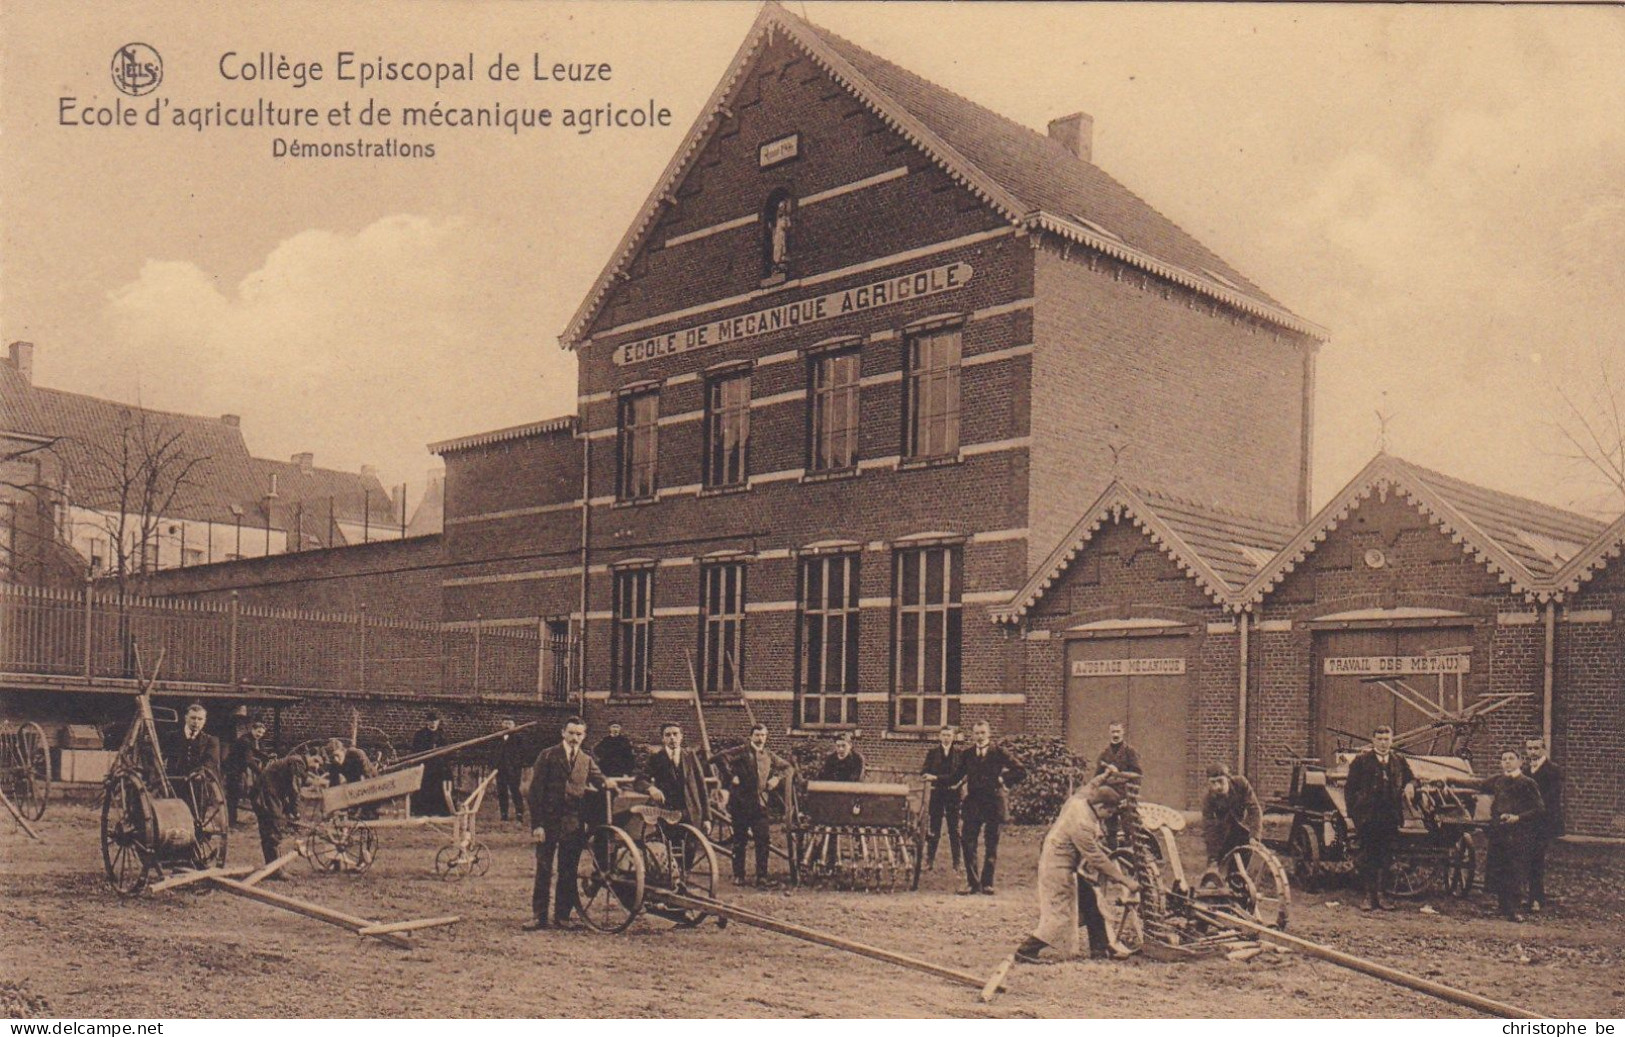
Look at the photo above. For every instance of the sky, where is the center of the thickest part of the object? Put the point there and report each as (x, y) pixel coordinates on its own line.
(1441, 187)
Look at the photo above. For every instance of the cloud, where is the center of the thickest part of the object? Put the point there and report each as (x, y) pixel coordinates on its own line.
(360, 347)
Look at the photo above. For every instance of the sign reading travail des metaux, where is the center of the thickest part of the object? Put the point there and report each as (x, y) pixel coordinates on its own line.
(1397, 665)
(919, 285)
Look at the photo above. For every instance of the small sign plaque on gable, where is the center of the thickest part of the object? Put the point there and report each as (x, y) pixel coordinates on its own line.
(781, 150)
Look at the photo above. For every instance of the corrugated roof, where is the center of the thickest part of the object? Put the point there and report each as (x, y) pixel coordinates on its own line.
(1029, 178)
(1220, 549)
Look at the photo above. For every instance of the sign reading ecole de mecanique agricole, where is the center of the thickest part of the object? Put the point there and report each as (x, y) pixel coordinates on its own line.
(918, 285)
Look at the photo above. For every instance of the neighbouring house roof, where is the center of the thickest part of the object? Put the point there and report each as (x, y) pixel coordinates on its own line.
(430, 514)
(1523, 542)
(1221, 550)
(1028, 178)
(547, 426)
(309, 496)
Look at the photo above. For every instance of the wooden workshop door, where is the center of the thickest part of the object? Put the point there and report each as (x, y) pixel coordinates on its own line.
(1142, 682)
(1346, 707)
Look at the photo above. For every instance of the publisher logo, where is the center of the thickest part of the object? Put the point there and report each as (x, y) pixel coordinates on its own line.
(137, 69)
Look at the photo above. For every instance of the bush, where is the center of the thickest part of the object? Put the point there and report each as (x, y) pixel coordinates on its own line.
(1053, 771)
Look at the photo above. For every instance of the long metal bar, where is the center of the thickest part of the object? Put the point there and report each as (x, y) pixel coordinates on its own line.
(689, 902)
(1383, 972)
(444, 750)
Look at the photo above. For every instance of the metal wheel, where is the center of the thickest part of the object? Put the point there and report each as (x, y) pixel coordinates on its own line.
(609, 880)
(128, 853)
(336, 845)
(697, 869)
(211, 826)
(449, 862)
(1256, 876)
(1304, 848)
(479, 859)
(31, 778)
(1409, 877)
(1461, 868)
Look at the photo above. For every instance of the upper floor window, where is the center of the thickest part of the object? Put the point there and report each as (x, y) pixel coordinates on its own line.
(926, 655)
(722, 626)
(727, 429)
(832, 430)
(633, 644)
(931, 411)
(636, 445)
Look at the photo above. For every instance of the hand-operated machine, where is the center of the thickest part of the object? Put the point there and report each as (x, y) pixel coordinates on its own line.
(858, 835)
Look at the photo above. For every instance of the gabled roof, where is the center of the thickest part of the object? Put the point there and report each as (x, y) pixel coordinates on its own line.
(1025, 176)
(1595, 556)
(1220, 550)
(353, 497)
(1523, 542)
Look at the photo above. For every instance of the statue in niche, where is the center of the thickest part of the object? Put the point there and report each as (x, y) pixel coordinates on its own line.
(776, 251)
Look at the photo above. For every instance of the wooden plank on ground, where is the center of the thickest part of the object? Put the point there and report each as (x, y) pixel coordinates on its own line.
(410, 926)
(309, 910)
(271, 869)
(995, 982)
(186, 878)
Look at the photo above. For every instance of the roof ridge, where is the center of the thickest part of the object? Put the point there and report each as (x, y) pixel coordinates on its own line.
(106, 401)
(1429, 473)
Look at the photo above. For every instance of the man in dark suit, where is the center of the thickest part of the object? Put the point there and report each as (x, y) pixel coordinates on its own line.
(1549, 779)
(1231, 814)
(511, 761)
(941, 764)
(563, 775)
(1379, 782)
(674, 778)
(430, 798)
(1118, 753)
(754, 773)
(844, 764)
(195, 749)
(276, 802)
(243, 763)
(1515, 815)
(985, 771)
(615, 754)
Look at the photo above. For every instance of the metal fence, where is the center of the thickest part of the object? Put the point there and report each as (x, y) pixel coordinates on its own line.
(96, 636)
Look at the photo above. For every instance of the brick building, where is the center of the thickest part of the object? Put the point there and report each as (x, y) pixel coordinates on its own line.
(853, 373)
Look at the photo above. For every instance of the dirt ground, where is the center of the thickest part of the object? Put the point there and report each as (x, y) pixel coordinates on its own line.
(73, 948)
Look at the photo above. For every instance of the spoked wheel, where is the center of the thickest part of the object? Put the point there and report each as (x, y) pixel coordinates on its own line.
(340, 846)
(697, 870)
(1461, 868)
(609, 881)
(455, 861)
(128, 835)
(31, 778)
(479, 861)
(1408, 878)
(209, 818)
(1257, 878)
(1304, 846)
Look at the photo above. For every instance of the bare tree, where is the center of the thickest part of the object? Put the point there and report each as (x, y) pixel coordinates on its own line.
(130, 479)
(1591, 424)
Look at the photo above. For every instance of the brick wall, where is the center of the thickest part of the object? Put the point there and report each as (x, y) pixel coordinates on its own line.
(393, 579)
(1205, 403)
(1589, 705)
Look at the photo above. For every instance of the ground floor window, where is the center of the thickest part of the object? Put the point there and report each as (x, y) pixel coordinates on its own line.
(927, 636)
(828, 678)
(634, 631)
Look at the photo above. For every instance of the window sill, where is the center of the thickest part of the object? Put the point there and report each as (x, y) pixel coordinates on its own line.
(724, 491)
(819, 731)
(833, 475)
(915, 463)
(910, 735)
(621, 698)
(636, 502)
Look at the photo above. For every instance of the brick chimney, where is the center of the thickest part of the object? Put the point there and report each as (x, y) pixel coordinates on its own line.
(306, 462)
(369, 471)
(232, 420)
(1075, 133)
(22, 358)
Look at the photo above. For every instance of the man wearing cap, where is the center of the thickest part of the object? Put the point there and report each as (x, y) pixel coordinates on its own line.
(1072, 864)
(1231, 814)
(276, 801)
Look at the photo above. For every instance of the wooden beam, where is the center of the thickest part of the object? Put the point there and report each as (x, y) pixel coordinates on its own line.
(17, 815)
(995, 982)
(271, 869)
(1464, 998)
(840, 943)
(309, 910)
(410, 926)
(186, 878)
